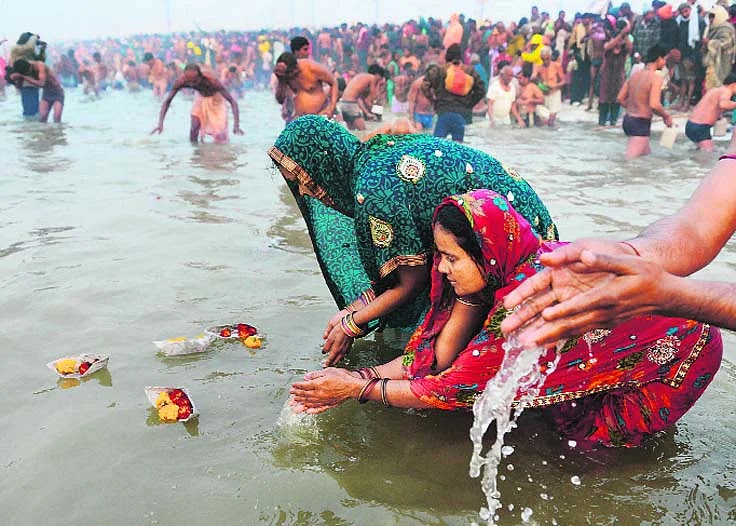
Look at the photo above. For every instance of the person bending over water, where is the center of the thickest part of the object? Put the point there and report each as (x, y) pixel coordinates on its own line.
(36, 73)
(641, 95)
(611, 387)
(708, 111)
(209, 114)
(369, 207)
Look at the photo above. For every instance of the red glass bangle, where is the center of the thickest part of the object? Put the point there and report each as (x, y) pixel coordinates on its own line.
(727, 156)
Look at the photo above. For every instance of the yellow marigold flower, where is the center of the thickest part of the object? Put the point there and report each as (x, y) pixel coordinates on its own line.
(169, 413)
(163, 399)
(67, 366)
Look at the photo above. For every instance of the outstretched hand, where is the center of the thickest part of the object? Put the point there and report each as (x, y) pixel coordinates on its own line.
(587, 285)
(323, 390)
(400, 126)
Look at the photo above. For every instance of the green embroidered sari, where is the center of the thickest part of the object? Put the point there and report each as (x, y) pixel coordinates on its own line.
(374, 201)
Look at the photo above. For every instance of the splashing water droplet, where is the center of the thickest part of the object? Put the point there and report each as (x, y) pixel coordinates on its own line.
(507, 450)
(544, 462)
(562, 457)
(526, 514)
(520, 372)
(572, 443)
(575, 480)
(544, 496)
(511, 507)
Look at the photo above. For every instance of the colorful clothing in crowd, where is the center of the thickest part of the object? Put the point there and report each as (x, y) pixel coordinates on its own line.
(376, 199)
(612, 386)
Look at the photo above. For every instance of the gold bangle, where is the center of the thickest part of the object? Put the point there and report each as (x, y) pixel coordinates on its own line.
(384, 400)
(375, 372)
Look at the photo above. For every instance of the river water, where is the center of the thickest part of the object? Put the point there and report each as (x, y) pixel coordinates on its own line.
(110, 238)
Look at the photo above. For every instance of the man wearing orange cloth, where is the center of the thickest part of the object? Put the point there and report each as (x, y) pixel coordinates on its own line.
(209, 113)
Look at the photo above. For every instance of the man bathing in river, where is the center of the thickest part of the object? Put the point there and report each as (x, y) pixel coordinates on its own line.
(209, 113)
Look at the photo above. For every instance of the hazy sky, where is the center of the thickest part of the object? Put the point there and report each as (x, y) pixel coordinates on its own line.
(61, 19)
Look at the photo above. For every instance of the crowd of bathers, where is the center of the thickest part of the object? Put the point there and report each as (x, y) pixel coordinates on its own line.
(700, 47)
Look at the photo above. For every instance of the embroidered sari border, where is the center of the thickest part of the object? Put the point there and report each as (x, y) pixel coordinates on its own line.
(301, 174)
(398, 261)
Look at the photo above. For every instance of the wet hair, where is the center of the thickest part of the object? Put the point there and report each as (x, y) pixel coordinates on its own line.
(450, 218)
(147, 57)
(96, 55)
(654, 53)
(341, 84)
(297, 43)
(24, 37)
(22, 66)
(454, 53)
(289, 60)
(375, 69)
(193, 67)
(730, 79)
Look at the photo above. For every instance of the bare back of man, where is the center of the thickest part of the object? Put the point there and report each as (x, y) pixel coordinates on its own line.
(707, 112)
(304, 82)
(641, 94)
(357, 99)
(208, 87)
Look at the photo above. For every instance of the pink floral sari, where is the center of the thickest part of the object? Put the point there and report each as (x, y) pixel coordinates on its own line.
(611, 386)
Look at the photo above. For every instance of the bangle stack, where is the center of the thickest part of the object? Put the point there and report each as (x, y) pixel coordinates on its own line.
(366, 389)
(350, 328)
(364, 299)
(368, 372)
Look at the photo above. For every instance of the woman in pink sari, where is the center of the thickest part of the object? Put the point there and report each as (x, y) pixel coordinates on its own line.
(610, 386)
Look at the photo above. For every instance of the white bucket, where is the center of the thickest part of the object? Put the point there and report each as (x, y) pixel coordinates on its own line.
(669, 136)
(720, 128)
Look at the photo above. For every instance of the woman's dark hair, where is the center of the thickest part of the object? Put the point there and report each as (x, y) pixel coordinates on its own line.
(454, 221)
(289, 60)
(22, 66)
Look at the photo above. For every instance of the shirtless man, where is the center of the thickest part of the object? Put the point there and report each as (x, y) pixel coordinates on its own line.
(209, 114)
(530, 102)
(421, 109)
(360, 94)
(36, 73)
(641, 95)
(130, 74)
(402, 83)
(708, 111)
(305, 81)
(100, 71)
(551, 74)
(158, 77)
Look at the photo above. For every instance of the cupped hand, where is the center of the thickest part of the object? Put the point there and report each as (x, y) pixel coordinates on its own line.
(602, 290)
(325, 389)
(336, 345)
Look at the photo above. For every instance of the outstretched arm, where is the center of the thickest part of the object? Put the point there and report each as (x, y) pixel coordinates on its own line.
(328, 388)
(165, 107)
(411, 281)
(236, 110)
(597, 283)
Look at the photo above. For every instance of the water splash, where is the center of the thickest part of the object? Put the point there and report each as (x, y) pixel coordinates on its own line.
(519, 372)
(297, 428)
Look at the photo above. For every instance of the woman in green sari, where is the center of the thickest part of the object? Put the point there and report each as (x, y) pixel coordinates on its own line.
(368, 207)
